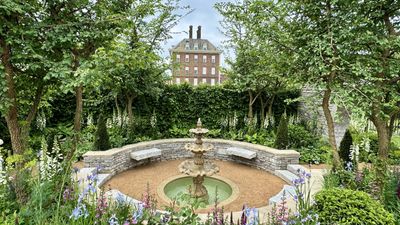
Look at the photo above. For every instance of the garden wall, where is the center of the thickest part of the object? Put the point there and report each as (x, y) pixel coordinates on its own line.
(116, 160)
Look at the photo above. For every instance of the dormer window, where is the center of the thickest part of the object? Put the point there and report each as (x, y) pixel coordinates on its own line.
(187, 46)
(196, 46)
(204, 46)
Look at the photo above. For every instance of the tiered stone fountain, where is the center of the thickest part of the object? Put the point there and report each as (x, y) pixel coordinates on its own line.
(198, 168)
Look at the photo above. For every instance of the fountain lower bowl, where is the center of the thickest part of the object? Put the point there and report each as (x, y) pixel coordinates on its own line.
(173, 187)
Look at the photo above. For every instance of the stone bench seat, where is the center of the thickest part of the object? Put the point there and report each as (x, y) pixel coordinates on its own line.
(241, 152)
(145, 154)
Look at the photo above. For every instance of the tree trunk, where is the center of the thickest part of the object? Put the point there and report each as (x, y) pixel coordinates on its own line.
(78, 106)
(250, 110)
(129, 107)
(77, 119)
(383, 131)
(119, 111)
(11, 117)
(262, 112)
(271, 103)
(331, 128)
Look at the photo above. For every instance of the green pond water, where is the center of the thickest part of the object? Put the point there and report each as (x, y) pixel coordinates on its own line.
(180, 185)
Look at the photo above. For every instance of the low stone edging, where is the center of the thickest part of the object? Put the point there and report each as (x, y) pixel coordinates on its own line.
(116, 160)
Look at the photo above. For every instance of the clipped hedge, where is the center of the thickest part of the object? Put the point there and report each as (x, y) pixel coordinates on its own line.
(345, 206)
(217, 106)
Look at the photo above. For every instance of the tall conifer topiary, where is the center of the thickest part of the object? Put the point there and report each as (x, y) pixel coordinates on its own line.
(345, 147)
(102, 141)
(281, 141)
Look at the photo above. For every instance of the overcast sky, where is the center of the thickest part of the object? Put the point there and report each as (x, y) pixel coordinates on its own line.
(204, 15)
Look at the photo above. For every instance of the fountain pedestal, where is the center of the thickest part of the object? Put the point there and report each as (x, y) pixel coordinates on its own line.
(198, 167)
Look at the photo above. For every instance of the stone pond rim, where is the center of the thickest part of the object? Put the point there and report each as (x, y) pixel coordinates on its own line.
(117, 160)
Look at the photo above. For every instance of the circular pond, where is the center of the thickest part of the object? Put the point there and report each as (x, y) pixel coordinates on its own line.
(215, 188)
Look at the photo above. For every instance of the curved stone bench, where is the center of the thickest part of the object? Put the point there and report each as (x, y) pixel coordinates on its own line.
(116, 160)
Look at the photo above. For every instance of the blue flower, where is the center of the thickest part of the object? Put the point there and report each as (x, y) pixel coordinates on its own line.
(90, 188)
(349, 166)
(113, 220)
(120, 199)
(138, 213)
(79, 211)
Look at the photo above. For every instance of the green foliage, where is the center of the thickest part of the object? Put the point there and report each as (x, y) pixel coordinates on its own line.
(391, 195)
(367, 143)
(176, 132)
(281, 141)
(345, 147)
(299, 136)
(314, 155)
(102, 140)
(344, 206)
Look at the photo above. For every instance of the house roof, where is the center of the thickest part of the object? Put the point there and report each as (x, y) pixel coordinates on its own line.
(181, 46)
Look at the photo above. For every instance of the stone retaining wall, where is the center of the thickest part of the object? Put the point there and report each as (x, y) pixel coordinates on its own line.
(116, 160)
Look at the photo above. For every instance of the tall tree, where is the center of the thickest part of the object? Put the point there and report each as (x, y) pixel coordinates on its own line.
(321, 37)
(374, 84)
(131, 61)
(254, 68)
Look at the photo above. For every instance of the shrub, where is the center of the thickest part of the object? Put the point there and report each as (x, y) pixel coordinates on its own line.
(281, 141)
(344, 206)
(345, 147)
(299, 136)
(314, 155)
(102, 141)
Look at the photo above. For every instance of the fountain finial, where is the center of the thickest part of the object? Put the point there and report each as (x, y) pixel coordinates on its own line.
(199, 125)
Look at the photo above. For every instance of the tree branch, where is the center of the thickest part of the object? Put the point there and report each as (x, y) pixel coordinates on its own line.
(35, 106)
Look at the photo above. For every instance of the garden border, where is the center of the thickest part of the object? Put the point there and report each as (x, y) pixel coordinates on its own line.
(117, 160)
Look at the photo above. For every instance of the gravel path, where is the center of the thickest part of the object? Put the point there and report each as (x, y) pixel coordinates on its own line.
(255, 186)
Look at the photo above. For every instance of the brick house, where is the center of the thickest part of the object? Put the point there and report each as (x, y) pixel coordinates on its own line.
(195, 61)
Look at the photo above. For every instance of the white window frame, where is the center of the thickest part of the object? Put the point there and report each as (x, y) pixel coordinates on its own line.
(196, 46)
(204, 58)
(187, 46)
(212, 70)
(186, 70)
(178, 58)
(178, 80)
(195, 81)
(196, 70)
(204, 46)
(187, 58)
(212, 81)
(187, 80)
(204, 80)
(204, 70)
(213, 59)
(196, 58)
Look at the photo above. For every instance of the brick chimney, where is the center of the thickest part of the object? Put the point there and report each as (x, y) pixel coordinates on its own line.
(199, 32)
(190, 32)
